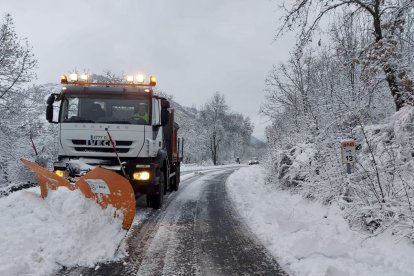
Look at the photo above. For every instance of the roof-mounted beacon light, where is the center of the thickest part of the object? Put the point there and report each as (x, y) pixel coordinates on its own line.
(131, 80)
(84, 77)
(74, 77)
(140, 78)
(153, 81)
(63, 79)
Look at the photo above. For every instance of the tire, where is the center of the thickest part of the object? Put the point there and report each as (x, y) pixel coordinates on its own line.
(167, 184)
(148, 199)
(175, 181)
(174, 184)
(157, 200)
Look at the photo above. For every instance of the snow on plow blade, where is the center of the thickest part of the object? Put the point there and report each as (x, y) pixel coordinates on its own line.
(109, 188)
(104, 186)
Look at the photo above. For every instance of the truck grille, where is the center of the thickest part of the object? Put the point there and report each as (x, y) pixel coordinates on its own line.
(117, 143)
(83, 146)
(100, 149)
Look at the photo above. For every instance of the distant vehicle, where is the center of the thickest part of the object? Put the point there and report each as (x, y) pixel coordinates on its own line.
(253, 161)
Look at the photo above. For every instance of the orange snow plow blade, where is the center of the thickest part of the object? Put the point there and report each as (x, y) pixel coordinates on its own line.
(47, 179)
(109, 188)
(104, 186)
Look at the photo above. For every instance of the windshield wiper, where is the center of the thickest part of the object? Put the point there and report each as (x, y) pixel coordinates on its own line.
(115, 122)
(79, 121)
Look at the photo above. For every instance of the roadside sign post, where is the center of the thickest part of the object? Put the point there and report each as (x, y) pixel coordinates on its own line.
(348, 154)
(348, 168)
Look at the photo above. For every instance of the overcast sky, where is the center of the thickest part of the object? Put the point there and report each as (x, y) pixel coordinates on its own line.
(194, 47)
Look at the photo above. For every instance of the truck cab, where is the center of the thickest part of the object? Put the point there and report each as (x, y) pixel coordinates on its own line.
(124, 127)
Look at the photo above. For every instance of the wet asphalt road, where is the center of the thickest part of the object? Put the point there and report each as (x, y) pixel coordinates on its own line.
(197, 232)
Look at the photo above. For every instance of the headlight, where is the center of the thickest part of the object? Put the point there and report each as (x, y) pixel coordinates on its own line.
(60, 173)
(143, 175)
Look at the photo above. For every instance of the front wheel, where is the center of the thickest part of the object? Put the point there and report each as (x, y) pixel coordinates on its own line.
(156, 201)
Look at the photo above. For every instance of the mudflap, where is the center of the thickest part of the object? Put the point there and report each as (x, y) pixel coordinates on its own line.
(104, 186)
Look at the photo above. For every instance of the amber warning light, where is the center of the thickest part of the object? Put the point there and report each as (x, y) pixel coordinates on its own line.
(130, 80)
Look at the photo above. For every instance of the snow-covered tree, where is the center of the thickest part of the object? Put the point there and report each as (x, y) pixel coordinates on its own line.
(226, 134)
(16, 61)
(212, 117)
(381, 54)
(338, 87)
(17, 102)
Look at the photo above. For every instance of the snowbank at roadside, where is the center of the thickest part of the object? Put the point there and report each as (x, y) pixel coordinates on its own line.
(38, 236)
(308, 238)
(195, 167)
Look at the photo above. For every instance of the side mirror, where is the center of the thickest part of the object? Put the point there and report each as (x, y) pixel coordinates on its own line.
(49, 113)
(165, 117)
(51, 99)
(165, 104)
(49, 108)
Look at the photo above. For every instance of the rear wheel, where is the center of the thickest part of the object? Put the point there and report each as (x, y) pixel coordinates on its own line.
(175, 181)
(174, 184)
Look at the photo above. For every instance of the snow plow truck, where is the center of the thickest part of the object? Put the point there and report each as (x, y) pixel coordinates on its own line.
(117, 140)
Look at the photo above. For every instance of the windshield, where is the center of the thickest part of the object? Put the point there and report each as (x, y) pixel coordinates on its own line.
(109, 110)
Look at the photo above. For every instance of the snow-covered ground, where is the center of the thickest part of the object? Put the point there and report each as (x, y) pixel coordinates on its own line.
(39, 236)
(309, 238)
(197, 167)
